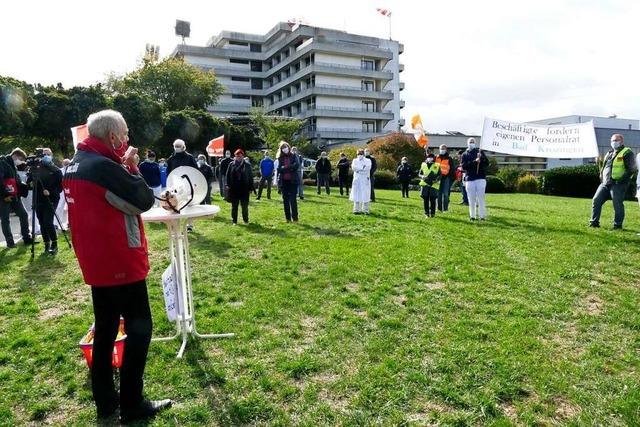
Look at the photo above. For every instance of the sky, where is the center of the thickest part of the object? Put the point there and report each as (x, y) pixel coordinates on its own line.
(464, 60)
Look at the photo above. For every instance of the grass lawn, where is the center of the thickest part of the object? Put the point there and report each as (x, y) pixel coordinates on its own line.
(530, 318)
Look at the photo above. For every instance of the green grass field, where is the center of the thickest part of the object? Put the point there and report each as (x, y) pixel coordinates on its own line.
(530, 318)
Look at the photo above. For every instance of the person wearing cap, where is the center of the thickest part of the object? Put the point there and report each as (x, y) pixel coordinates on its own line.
(361, 185)
(474, 164)
(404, 173)
(150, 171)
(207, 171)
(343, 173)
(615, 176)
(180, 157)
(288, 180)
(323, 172)
(266, 175)
(239, 186)
(430, 176)
(447, 174)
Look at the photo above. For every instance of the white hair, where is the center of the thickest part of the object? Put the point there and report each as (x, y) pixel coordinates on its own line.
(179, 143)
(471, 140)
(103, 122)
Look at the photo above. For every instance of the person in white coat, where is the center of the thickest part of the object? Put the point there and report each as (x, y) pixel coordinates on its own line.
(361, 185)
(62, 210)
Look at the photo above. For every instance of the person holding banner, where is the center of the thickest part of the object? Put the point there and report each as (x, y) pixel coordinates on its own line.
(474, 164)
(615, 176)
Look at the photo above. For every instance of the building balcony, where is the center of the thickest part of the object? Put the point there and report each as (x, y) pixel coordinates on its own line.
(400, 48)
(401, 104)
(242, 90)
(330, 90)
(401, 122)
(229, 108)
(401, 86)
(339, 133)
(348, 113)
(400, 67)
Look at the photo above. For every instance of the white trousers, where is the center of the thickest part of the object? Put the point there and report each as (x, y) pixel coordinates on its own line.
(475, 193)
(62, 212)
(361, 207)
(156, 192)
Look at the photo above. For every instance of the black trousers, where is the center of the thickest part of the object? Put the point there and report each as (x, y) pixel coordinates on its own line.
(265, 180)
(430, 198)
(45, 212)
(241, 200)
(343, 182)
(289, 193)
(16, 206)
(373, 191)
(404, 186)
(109, 303)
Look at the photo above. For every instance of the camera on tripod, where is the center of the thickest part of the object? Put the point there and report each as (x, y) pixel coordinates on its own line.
(36, 159)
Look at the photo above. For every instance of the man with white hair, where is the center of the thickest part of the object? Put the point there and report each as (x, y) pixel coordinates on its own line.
(106, 195)
(180, 157)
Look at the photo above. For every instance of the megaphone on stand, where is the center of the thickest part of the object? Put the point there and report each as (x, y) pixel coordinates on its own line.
(186, 186)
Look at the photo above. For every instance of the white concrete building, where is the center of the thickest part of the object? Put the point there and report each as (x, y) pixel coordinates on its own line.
(346, 86)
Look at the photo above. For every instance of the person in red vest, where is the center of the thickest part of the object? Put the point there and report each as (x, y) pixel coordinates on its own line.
(447, 177)
(106, 195)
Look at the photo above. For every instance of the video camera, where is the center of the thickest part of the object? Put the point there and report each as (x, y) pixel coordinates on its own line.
(36, 159)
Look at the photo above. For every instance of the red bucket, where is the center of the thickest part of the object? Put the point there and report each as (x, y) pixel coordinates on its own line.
(86, 345)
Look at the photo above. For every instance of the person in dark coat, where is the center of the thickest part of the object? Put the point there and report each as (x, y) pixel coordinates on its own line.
(150, 171)
(46, 181)
(288, 180)
(207, 171)
(404, 173)
(222, 172)
(343, 173)
(180, 157)
(323, 172)
(10, 197)
(239, 186)
(374, 167)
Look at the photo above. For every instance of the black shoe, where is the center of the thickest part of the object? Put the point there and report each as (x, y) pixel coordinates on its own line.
(617, 227)
(54, 247)
(11, 245)
(107, 412)
(28, 241)
(189, 228)
(472, 219)
(47, 248)
(594, 224)
(146, 409)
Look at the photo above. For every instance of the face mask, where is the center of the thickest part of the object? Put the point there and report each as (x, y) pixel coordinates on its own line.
(472, 146)
(18, 162)
(430, 160)
(178, 149)
(616, 144)
(161, 164)
(285, 150)
(404, 162)
(443, 152)
(200, 162)
(228, 155)
(47, 159)
(324, 157)
(122, 149)
(366, 153)
(360, 156)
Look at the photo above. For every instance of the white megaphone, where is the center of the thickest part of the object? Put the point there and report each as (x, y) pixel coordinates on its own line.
(186, 186)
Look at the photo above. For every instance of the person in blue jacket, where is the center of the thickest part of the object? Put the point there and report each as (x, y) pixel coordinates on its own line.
(266, 175)
(150, 171)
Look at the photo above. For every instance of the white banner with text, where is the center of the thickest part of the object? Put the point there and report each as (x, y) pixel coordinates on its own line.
(533, 140)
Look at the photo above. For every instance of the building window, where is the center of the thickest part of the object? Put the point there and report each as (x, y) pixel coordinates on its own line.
(253, 47)
(256, 66)
(256, 84)
(238, 61)
(240, 97)
(368, 126)
(240, 79)
(256, 101)
(368, 106)
(311, 81)
(368, 85)
(311, 103)
(367, 64)
(235, 43)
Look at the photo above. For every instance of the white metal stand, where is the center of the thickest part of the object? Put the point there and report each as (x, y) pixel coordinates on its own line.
(181, 265)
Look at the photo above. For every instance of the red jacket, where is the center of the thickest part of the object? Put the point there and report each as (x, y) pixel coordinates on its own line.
(105, 202)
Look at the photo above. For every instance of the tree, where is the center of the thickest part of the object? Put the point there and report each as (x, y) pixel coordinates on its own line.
(86, 101)
(173, 83)
(143, 116)
(17, 107)
(54, 117)
(273, 129)
(389, 150)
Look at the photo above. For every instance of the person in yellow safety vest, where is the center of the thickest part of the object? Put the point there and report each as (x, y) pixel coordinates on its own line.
(430, 184)
(618, 167)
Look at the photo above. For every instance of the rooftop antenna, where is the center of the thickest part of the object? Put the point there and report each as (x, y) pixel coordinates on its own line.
(151, 52)
(183, 29)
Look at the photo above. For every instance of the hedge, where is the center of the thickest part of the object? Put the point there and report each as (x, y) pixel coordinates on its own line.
(571, 181)
(495, 185)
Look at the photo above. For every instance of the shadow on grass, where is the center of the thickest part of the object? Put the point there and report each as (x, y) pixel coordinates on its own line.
(256, 228)
(322, 231)
(218, 246)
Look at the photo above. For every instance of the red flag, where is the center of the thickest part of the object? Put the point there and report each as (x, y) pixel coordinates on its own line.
(216, 147)
(79, 133)
(384, 12)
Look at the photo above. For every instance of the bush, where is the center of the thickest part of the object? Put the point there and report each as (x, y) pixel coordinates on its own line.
(495, 185)
(571, 181)
(509, 176)
(385, 179)
(527, 184)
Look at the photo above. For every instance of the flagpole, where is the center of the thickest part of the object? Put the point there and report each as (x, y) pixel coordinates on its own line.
(389, 26)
